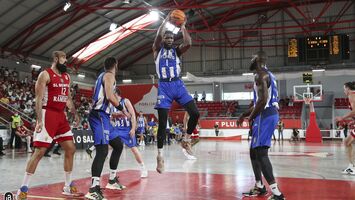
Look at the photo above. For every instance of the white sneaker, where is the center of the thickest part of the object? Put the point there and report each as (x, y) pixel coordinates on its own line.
(349, 170)
(143, 143)
(70, 190)
(115, 185)
(144, 172)
(188, 156)
(29, 151)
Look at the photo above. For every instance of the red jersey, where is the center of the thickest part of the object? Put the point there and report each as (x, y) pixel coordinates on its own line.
(57, 91)
(21, 130)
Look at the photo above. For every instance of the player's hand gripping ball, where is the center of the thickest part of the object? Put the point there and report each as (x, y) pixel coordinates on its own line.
(177, 17)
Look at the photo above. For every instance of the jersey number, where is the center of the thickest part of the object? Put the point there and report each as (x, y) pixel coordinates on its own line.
(64, 91)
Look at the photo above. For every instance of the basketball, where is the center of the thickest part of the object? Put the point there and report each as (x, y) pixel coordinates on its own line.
(177, 17)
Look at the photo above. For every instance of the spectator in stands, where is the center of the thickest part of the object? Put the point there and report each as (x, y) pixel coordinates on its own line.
(24, 133)
(2, 71)
(345, 130)
(152, 126)
(295, 135)
(5, 99)
(338, 129)
(16, 118)
(196, 96)
(216, 129)
(280, 128)
(290, 103)
(178, 133)
(203, 96)
(15, 75)
(1, 146)
(6, 74)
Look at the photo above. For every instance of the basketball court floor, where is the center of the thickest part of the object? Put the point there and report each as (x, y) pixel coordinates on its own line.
(222, 172)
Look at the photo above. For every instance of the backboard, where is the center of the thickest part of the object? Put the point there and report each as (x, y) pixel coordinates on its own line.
(315, 92)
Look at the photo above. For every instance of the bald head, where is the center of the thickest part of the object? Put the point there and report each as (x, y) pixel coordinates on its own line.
(259, 59)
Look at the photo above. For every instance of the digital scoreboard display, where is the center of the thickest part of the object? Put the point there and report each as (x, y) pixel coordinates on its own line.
(318, 49)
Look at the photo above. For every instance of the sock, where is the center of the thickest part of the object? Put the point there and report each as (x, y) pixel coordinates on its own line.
(275, 190)
(95, 181)
(92, 148)
(160, 152)
(259, 184)
(112, 174)
(141, 165)
(67, 178)
(26, 179)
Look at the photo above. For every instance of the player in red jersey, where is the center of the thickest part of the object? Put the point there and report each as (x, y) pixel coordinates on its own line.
(52, 97)
(24, 132)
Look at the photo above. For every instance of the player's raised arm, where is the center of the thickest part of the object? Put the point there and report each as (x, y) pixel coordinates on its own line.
(159, 37)
(187, 42)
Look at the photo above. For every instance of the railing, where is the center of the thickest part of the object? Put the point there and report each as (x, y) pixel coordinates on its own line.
(12, 110)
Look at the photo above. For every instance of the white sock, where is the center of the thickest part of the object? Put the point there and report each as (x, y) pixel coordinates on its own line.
(275, 190)
(26, 179)
(160, 152)
(67, 178)
(259, 184)
(28, 143)
(141, 165)
(95, 181)
(112, 174)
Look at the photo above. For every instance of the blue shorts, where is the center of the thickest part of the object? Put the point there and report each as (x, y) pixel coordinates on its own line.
(170, 91)
(123, 133)
(100, 125)
(263, 127)
(141, 130)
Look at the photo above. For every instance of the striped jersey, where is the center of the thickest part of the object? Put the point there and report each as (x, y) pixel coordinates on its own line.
(140, 122)
(122, 122)
(273, 97)
(99, 98)
(168, 64)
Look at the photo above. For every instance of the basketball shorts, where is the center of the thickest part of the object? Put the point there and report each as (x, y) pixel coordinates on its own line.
(123, 134)
(100, 125)
(55, 128)
(170, 91)
(263, 127)
(140, 130)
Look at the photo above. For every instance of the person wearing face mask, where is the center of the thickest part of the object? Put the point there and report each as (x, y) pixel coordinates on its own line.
(16, 118)
(52, 92)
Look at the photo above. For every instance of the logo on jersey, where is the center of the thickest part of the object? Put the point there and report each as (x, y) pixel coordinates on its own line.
(168, 54)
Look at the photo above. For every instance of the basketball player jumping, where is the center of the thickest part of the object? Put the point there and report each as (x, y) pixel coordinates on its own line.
(52, 96)
(171, 87)
(263, 117)
(349, 90)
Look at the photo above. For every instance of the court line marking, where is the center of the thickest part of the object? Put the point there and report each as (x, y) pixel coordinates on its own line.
(44, 197)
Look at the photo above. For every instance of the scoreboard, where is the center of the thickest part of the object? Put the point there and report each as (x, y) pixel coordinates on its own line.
(318, 49)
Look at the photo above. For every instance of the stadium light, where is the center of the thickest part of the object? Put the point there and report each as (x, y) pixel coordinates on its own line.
(127, 80)
(318, 70)
(113, 26)
(67, 6)
(154, 15)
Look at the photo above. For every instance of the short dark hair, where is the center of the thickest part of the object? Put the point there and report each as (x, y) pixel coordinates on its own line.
(110, 63)
(169, 32)
(350, 85)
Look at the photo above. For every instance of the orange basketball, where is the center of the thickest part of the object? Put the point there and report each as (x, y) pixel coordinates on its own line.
(177, 17)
